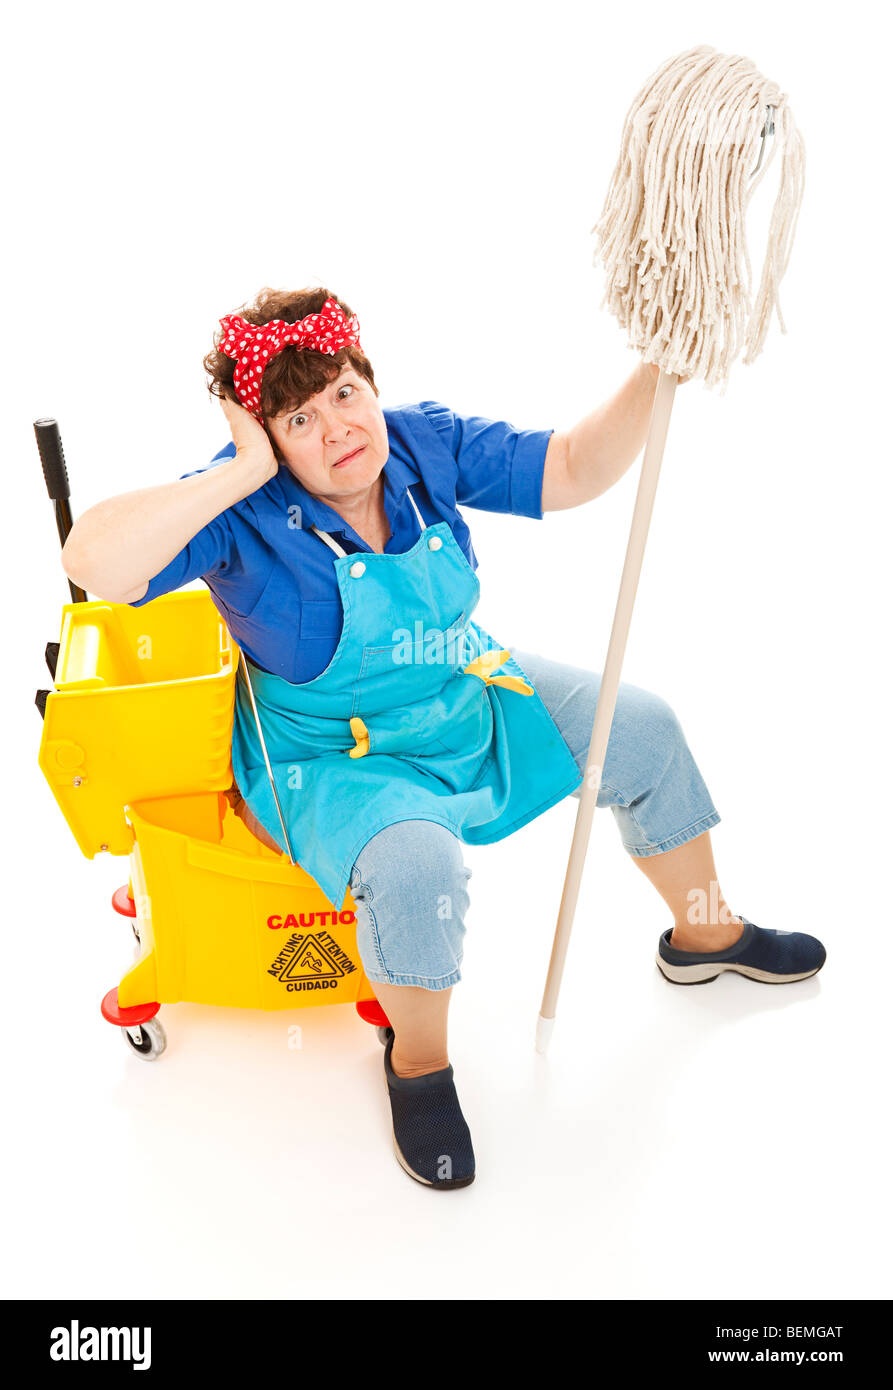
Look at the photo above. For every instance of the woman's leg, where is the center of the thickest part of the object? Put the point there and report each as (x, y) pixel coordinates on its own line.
(409, 883)
(419, 1020)
(656, 793)
(686, 880)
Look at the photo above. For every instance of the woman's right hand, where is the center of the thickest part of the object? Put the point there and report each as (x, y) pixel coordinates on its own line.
(252, 442)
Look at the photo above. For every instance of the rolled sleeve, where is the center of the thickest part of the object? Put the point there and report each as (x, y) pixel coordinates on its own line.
(499, 468)
(208, 553)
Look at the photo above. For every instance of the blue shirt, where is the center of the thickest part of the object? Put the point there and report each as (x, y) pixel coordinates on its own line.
(273, 579)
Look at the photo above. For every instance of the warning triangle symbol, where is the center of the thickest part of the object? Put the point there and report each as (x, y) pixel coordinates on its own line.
(312, 962)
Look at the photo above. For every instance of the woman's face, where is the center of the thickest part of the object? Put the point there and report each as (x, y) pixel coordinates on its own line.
(314, 439)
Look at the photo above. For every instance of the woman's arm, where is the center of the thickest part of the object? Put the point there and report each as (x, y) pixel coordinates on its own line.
(585, 461)
(116, 547)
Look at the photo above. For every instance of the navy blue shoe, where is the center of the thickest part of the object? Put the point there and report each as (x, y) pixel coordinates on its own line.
(773, 957)
(431, 1139)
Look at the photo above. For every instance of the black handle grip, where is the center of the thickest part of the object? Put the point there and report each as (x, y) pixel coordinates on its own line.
(49, 446)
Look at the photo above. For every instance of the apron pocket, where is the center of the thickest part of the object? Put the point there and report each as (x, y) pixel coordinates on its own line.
(466, 733)
(464, 742)
(441, 649)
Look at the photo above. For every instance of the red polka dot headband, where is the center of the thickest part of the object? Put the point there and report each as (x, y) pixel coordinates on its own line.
(254, 345)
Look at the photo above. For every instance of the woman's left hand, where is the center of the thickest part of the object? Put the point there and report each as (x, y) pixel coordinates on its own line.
(655, 372)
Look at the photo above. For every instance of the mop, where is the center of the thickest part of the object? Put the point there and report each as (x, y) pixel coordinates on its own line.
(672, 241)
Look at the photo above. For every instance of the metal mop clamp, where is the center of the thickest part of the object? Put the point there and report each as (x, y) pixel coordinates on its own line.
(671, 237)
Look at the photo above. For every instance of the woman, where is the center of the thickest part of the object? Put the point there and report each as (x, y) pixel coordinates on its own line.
(395, 726)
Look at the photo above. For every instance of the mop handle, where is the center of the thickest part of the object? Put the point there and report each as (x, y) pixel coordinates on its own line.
(607, 697)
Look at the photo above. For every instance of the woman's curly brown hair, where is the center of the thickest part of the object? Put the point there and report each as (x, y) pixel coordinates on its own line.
(295, 374)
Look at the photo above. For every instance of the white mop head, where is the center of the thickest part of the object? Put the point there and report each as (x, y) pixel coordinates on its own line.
(672, 231)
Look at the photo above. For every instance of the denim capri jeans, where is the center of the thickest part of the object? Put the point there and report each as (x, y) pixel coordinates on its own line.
(410, 881)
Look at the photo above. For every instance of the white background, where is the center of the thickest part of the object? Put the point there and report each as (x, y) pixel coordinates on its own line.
(441, 171)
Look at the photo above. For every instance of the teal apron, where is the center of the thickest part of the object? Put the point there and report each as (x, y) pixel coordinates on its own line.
(419, 715)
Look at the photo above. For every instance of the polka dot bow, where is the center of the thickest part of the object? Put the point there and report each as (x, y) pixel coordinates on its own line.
(254, 345)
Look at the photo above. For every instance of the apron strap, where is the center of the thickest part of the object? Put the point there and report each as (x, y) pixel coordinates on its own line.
(416, 510)
(340, 551)
(333, 545)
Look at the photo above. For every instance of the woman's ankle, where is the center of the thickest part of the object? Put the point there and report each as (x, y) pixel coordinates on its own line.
(709, 936)
(415, 1065)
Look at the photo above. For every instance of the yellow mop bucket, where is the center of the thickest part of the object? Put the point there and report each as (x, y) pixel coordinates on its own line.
(221, 919)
